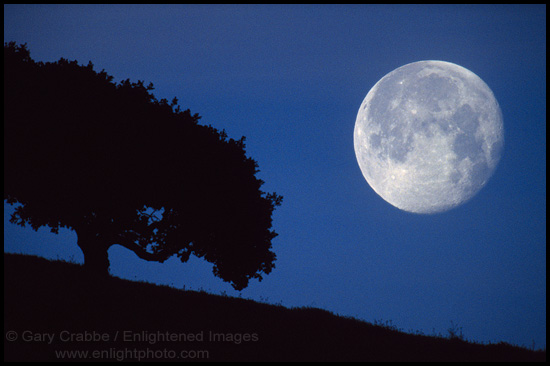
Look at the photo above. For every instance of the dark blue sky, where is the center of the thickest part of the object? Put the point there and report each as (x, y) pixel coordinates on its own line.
(291, 79)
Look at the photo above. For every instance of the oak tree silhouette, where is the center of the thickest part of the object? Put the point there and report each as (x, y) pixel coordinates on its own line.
(118, 166)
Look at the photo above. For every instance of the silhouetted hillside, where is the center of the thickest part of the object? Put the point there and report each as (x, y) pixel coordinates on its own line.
(52, 312)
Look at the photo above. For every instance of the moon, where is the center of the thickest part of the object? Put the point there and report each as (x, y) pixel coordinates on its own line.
(428, 136)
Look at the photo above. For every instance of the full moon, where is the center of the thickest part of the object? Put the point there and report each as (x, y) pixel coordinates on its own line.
(428, 136)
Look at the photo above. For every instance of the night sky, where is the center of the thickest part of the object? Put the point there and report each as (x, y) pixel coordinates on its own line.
(291, 79)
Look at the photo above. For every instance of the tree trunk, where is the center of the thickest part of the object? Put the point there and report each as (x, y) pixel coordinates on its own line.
(96, 256)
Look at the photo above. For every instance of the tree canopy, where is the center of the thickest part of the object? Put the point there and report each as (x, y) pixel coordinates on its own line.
(111, 162)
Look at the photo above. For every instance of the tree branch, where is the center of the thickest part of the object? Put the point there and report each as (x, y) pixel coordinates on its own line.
(142, 252)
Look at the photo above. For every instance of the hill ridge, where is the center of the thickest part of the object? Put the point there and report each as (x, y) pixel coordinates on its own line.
(125, 320)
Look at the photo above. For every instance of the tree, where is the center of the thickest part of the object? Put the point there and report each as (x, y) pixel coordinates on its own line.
(118, 166)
